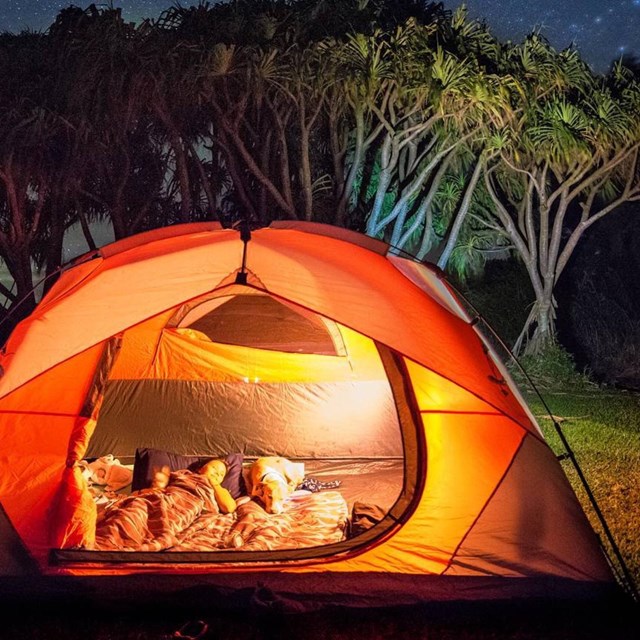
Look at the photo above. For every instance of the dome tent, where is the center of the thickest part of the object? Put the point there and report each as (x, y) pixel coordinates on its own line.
(331, 348)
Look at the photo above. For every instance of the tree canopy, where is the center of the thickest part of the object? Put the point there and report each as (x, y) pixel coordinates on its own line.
(396, 118)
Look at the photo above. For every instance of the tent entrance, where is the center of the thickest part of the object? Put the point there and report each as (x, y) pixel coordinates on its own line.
(330, 398)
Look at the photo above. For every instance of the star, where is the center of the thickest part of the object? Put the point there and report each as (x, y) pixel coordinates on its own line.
(599, 30)
(560, 22)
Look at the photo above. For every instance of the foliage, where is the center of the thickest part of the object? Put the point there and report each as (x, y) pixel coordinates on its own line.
(400, 119)
(552, 369)
(501, 296)
(601, 321)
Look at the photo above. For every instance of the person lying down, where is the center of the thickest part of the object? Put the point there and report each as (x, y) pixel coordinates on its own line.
(153, 519)
(191, 511)
(214, 471)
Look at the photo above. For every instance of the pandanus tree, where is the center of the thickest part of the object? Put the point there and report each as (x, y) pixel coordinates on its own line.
(420, 102)
(165, 71)
(293, 111)
(267, 106)
(568, 157)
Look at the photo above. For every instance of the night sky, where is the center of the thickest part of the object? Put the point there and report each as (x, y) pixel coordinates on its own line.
(601, 29)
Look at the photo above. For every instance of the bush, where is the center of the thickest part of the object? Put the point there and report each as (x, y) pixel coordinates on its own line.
(606, 331)
(553, 369)
(599, 300)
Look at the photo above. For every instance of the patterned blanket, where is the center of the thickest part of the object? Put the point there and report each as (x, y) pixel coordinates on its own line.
(185, 517)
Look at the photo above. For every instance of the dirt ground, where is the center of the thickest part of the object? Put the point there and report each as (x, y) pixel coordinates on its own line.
(537, 621)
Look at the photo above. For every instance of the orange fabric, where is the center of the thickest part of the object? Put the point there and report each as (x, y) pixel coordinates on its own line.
(60, 390)
(532, 527)
(468, 455)
(139, 347)
(365, 291)
(40, 431)
(33, 449)
(473, 424)
(75, 513)
(182, 354)
(347, 283)
(426, 278)
(115, 296)
(435, 393)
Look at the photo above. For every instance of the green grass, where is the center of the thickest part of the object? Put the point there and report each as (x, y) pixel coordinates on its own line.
(603, 429)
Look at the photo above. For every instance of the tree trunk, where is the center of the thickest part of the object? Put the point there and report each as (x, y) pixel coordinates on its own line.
(305, 164)
(54, 249)
(182, 170)
(388, 162)
(180, 155)
(461, 216)
(118, 222)
(20, 268)
(539, 331)
(86, 229)
(545, 330)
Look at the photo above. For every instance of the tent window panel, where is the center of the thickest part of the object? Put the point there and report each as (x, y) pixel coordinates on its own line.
(264, 323)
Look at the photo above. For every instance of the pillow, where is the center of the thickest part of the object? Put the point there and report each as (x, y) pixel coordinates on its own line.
(149, 459)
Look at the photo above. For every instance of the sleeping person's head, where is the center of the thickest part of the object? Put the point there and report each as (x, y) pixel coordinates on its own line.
(214, 470)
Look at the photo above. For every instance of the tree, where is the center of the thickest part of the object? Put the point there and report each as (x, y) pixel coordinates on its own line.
(568, 157)
(432, 103)
(29, 130)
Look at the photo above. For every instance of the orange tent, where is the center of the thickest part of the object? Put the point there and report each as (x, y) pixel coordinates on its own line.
(328, 347)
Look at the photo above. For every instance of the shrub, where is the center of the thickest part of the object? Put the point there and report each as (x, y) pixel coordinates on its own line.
(553, 369)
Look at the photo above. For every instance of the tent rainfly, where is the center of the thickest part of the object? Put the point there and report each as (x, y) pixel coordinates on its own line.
(303, 341)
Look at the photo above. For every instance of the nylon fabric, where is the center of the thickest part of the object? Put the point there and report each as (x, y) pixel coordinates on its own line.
(428, 280)
(356, 288)
(527, 525)
(184, 354)
(435, 393)
(468, 456)
(59, 391)
(156, 277)
(323, 420)
(29, 483)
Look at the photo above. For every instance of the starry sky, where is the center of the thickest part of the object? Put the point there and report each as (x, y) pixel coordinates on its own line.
(601, 29)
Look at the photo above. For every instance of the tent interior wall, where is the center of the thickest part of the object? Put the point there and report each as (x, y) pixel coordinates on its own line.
(176, 388)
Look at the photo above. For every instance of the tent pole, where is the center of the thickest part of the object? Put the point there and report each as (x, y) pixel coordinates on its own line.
(245, 236)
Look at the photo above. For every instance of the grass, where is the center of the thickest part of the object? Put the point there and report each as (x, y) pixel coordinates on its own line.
(602, 428)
